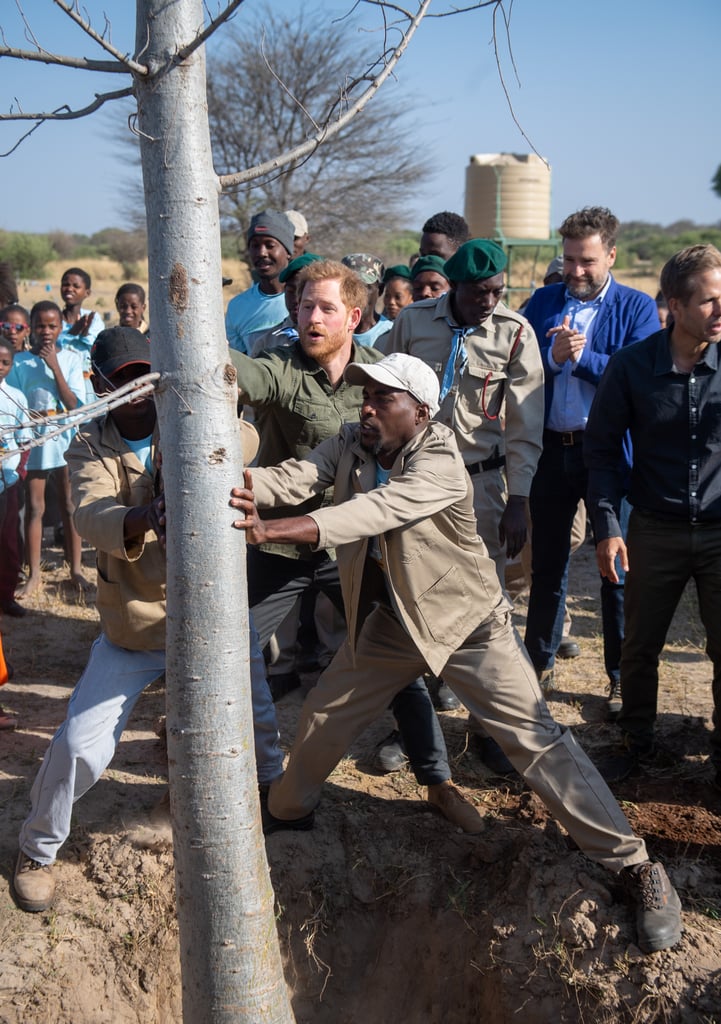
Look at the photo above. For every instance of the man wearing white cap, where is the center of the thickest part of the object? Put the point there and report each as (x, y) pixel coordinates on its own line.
(421, 592)
(301, 234)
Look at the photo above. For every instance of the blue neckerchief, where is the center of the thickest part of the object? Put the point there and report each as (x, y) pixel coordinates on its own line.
(458, 355)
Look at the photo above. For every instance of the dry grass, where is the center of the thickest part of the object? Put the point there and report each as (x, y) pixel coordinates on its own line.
(107, 276)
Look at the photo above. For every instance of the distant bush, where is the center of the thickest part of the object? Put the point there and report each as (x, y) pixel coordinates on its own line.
(229, 249)
(126, 247)
(653, 244)
(63, 243)
(27, 254)
(87, 251)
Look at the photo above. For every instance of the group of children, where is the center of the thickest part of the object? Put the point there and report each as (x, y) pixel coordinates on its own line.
(44, 375)
(424, 278)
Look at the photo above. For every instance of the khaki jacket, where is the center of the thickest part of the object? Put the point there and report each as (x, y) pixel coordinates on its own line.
(496, 404)
(107, 479)
(440, 580)
(296, 408)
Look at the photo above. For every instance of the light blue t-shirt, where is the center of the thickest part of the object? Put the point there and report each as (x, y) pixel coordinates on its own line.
(250, 315)
(374, 548)
(30, 373)
(13, 413)
(81, 346)
(369, 338)
(142, 448)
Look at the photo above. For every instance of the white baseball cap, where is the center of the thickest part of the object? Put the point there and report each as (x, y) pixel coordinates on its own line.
(300, 224)
(400, 371)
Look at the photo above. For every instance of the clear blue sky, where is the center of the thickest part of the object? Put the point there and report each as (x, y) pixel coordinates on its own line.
(621, 97)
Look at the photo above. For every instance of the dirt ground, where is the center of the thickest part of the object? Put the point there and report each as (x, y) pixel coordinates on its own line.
(386, 914)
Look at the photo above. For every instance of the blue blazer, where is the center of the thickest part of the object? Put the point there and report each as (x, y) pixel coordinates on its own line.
(626, 315)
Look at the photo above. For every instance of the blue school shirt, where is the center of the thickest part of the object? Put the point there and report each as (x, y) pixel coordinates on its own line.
(13, 414)
(32, 376)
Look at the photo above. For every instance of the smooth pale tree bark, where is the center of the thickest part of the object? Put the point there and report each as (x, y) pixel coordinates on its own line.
(231, 965)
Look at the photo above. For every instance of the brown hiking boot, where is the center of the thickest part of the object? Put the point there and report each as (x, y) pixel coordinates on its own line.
(453, 805)
(658, 908)
(34, 884)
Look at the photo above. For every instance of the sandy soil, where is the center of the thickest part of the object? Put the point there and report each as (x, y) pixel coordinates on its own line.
(385, 912)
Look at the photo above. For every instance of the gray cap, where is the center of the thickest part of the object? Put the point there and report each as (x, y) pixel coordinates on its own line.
(273, 224)
(400, 371)
(554, 267)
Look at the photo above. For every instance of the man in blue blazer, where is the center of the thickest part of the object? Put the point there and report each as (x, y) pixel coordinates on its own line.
(579, 324)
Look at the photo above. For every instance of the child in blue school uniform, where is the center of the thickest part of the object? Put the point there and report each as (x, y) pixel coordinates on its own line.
(14, 417)
(51, 378)
(15, 326)
(81, 326)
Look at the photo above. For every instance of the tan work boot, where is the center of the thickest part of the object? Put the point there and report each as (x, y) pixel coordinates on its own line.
(34, 884)
(454, 806)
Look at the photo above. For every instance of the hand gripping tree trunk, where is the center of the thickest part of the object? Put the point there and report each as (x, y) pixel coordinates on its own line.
(231, 964)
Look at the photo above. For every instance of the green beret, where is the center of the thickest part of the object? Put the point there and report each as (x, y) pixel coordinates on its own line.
(475, 261)
(435, 263)
(297, 264)
(399, 270)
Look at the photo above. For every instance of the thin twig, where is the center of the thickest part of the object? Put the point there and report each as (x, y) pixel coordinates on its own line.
(124, 58)
(283, 86)
(144, 385)
(185, 51)
(505, 89)
(65, 113)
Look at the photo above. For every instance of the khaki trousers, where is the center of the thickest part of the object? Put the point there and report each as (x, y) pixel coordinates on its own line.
(493, 676)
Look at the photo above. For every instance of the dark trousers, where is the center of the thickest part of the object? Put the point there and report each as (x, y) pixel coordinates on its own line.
(10, 547)
(561, 481)
(275, 583)
(663, 557)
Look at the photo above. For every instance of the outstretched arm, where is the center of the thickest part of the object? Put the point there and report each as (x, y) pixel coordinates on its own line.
(292, 530)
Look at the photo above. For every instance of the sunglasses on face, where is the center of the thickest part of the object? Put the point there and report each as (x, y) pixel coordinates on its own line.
(13, 328)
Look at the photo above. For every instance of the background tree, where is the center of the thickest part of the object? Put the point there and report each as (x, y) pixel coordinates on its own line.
(716, 181)
(127, 247)
(273, 80)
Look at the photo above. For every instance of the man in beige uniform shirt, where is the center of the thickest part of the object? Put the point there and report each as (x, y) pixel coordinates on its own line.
(421, 592)
(489, 369)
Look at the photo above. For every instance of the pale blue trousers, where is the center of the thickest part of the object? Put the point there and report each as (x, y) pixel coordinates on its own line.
(98, 712)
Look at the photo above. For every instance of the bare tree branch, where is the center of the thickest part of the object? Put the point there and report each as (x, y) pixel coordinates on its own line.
(186, 51)
(385, 5)
(64, 113)
(82, 63)
(329, 130)
(130, 64)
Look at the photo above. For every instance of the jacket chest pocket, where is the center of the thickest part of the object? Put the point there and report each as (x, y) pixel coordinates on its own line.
(484, 388)
(314, 422)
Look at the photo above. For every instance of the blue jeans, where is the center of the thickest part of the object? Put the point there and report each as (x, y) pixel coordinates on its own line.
(98, 712)
(560, 482)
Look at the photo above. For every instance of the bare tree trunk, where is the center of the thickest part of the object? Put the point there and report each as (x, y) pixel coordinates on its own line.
(230, 958)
